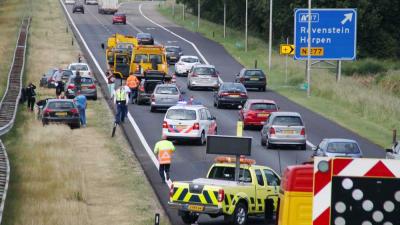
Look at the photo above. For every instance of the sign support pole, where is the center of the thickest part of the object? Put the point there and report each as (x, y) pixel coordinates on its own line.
(239, 133)
(270, 37)
(309, 51)
(286, 62)
(224, 19)
(245, 31)
(198, 14)
(183, 12)
(339, 70)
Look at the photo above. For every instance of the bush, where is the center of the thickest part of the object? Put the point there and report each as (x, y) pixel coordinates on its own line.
(364, 67)
(390, 82)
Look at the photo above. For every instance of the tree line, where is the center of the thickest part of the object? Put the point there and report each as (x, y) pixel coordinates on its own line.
(378, 22)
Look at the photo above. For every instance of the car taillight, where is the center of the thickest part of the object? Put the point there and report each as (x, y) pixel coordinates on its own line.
(71, 86)
(171, 191)
(165, 125)
(221, 195)
(250, 114)
(243, 94)
(224, 94)
(196, 126)
(46, 112)
(141, 88)
(242, 79)
(93, 86)
(271, 130)
(303, 132)
(152, 98)
(74, 111)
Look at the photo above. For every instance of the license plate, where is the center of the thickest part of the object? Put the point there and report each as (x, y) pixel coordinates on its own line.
(234, 96)
(172, 57)
(288, 131)
(84, 88)
(253, 78)
(196, 208)
(61, 113)
(180, 127)
(262, 114)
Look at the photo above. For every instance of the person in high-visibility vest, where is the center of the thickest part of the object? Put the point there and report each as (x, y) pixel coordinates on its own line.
(164, 150)
(121, 100)
(132, 82)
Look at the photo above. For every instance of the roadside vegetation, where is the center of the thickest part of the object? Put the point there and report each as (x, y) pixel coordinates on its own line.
(64, 176)
(11, 13)
(366, 100)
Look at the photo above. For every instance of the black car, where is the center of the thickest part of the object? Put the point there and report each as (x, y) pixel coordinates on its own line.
(147, 85)
(173, 53)
(78, 7)
(230, 94)
(145, 39)
(252, 78)
(61, 111)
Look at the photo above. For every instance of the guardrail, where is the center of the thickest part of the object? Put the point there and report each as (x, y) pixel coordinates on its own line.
(9, 105)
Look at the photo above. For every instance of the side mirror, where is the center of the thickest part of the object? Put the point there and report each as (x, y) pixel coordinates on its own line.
(389, 150)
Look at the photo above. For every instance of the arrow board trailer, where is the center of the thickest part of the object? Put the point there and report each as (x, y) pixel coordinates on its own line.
(333, 34)
(356, 191)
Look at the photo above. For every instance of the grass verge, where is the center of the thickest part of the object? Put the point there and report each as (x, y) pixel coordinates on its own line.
(64, 176)
(356, 103)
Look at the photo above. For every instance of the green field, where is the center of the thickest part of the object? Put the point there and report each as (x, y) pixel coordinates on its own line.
(356, 102)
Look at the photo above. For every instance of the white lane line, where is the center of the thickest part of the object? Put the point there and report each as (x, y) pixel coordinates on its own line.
(102, 24)
(194, 46)
(134, 124)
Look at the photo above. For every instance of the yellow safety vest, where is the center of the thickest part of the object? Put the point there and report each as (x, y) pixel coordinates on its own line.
(121, 95)
(164, 150)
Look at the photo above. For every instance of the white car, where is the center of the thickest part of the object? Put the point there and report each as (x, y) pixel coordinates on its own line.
(91, 2)
(190, 122)
(185, 63)
(70, 2)
(83, 68)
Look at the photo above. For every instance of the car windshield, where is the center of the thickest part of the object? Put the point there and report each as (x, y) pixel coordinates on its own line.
(141, 57)
(119, 14)
(60, 105)
(125, 45)
(287, 121)
(181, 114)
(190, 60)
(172, 49)
(67, 73)
(79, 67)
(167, 90)
(343, 147)
(263, 106)
(228, 173)
(253, 73)
(204, 71)
(143, 35)
(233, 87)
(156, 58)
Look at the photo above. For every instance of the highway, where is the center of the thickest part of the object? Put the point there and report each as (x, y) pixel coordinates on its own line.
(191, 161)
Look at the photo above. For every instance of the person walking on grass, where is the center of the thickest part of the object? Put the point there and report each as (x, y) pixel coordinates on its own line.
(31, 95)
(78, 81)
(164, 150)
(121, 101)
(81, 102)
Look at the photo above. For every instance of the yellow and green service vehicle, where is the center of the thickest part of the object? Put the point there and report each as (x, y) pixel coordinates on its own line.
(254, 194)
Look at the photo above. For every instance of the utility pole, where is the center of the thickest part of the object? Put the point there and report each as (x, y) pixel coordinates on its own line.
(270, 37)
(198, 14)
(309, 51)
(183, 12)
(339, 70)
(245, 31)
(224, 18)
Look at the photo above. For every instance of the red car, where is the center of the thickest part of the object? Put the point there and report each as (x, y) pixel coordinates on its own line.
(256, 111)
(119, 18)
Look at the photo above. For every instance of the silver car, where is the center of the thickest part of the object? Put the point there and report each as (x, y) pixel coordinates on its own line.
(394, 152)
(164, 96)
(337, 147)
(88, 87)
(203, 76)
(284, 128)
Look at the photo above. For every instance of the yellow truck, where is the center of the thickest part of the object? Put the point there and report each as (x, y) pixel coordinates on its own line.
(119, 52)
(149, 57)
(255, 194)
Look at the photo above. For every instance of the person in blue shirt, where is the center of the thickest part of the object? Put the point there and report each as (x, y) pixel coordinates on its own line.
(81, 103)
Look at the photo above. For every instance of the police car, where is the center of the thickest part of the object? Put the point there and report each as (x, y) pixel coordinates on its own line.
(190, 122)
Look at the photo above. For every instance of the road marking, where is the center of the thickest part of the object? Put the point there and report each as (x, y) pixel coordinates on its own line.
(134, 124)
(102, 24)
(194, 46)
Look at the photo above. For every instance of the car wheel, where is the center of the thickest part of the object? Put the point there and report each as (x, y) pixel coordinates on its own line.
(202, 138)
(189, 217)
(269, 145)
(95, 98)
(269, 209)
(216, 131)
(240, 214)
(263, 143)
(263, 89)
(303, 147)
(113, 22)
(215, 104)
(189, 86)
(125, 23)
(218, 105)
(152, 109)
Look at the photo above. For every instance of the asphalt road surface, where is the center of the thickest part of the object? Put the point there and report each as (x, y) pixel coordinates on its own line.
(191, 161)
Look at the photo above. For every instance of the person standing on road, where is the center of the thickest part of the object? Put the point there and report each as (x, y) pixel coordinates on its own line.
(133, 83)
(78, 81)
(121, 101)
(111, 83)
(164, 150)
(81, 102)
(31, 95)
